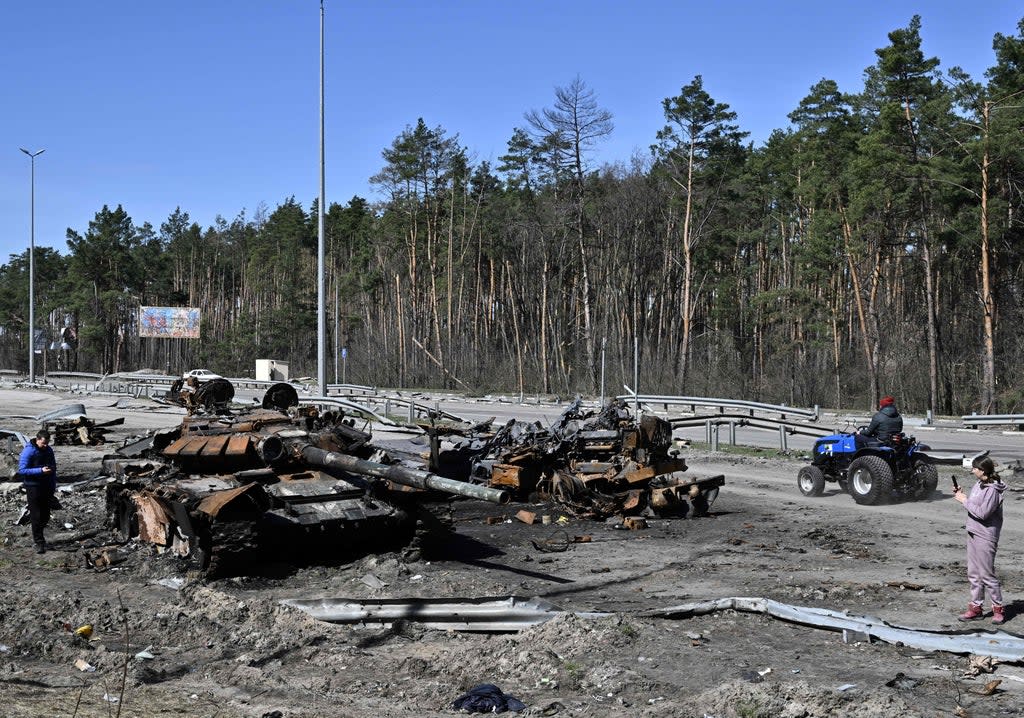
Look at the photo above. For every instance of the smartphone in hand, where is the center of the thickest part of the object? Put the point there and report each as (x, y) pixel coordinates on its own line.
(956, 486)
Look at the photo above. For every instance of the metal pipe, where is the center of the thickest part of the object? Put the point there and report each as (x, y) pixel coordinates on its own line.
(402, 475)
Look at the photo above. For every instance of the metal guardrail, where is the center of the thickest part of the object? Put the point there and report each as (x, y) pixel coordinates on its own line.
(976, 420)
(749, 406)
(713, 425)
(414, 409)
(349, 389)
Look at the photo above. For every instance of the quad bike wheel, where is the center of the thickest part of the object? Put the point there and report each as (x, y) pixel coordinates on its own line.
(811, 481)
(927, 479)
(869, 480)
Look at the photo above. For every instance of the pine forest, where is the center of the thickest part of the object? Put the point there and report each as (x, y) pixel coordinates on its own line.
(873, 246)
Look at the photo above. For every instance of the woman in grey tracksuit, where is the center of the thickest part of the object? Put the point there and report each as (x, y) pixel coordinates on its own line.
(984, 508)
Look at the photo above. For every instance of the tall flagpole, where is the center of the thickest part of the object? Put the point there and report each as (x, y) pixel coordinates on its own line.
(321, 310)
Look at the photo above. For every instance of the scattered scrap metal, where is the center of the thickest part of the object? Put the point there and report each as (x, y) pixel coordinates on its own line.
(69, 426)
(210, 396)
(594, 464)
(11, 444)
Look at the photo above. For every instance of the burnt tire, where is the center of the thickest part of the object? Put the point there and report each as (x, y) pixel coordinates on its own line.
(869, 480)
(811, 481)
(927, 479)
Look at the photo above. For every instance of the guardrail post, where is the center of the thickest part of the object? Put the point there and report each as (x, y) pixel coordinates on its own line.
(928, 420)
(732, 433)
(714, 438)
(707, 431)
(782, 439)
(412, 412)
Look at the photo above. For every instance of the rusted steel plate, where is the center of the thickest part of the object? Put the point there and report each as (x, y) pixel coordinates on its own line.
(505, 475)
(238, 445)
(633, 499)
(176, 446)
(214, 503)
(194, 447)
(215, 445)
(641, 475)
(662, 498)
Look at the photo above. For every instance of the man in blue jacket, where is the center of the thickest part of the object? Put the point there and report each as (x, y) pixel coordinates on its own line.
(37, 470)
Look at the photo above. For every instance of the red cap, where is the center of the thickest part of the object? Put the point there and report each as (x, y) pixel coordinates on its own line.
(886, 401)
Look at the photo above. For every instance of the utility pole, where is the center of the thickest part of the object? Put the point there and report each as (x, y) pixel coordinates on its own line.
(321, 324)
(32, 273)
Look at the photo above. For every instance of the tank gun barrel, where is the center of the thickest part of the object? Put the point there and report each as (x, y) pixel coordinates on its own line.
(401, 475)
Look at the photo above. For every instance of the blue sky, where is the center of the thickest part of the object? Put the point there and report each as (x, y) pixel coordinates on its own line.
(213, 105)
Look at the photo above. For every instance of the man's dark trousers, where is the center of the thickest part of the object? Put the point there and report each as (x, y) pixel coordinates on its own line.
(39, 498)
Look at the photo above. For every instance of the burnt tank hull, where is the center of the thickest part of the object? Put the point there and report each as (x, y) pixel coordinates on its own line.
(230, 492)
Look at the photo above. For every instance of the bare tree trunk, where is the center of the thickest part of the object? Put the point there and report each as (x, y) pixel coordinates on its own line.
(400, 324)
(869, 340)
(514, 311)
(988, 361)
(544, 362)
(933, 348)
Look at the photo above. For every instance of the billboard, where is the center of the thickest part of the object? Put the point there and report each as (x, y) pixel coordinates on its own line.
(169, 322)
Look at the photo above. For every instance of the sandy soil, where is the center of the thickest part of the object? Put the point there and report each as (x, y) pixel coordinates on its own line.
(228, 647)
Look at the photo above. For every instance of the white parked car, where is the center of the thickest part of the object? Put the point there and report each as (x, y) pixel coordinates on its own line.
(201, 375)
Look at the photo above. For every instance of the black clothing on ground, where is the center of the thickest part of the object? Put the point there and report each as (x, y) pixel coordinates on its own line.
(487, 698)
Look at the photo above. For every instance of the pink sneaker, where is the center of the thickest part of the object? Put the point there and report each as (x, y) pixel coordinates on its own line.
(997, 614)
(973, 612)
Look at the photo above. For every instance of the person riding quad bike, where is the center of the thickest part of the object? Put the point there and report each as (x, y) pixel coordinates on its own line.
(884, 424)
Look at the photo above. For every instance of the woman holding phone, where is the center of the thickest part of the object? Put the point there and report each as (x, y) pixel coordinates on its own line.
(984, 507)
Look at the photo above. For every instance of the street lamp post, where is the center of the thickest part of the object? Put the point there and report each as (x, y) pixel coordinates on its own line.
(32, 274)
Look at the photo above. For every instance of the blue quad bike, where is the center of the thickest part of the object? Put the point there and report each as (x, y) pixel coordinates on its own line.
(872, 473)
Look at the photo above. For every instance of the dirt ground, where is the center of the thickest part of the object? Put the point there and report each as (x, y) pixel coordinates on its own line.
(166, 645)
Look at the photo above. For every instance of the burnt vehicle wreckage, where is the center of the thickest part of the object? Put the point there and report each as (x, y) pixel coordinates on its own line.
(594, 464)
(230, 488)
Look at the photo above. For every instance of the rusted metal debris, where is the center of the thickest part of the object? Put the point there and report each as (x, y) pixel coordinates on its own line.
(11, 445)
(212, 396)
(593, 463)
(227, 490)
(80, 431)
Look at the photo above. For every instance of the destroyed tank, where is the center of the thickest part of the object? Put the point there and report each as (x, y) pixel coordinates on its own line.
(229, 490)
(593, 463)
